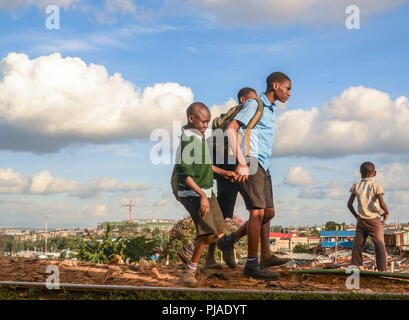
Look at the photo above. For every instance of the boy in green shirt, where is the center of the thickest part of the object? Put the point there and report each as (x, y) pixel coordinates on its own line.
(194, 172)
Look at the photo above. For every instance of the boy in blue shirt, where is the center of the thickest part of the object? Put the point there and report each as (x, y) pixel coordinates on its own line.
(256, 187)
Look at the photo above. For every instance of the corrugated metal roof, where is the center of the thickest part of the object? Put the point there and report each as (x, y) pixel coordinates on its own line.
(282, 235)
(341, 233)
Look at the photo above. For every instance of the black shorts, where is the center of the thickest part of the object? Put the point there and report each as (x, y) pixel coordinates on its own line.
(257, 191)
(226, 192)
(213, 222)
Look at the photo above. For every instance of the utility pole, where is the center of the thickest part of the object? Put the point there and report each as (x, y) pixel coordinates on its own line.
(46, 233)
(336, 243)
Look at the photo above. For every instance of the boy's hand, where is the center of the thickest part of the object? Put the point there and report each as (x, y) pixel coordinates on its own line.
(204, 207)
(385, 216)
(242, 170)
(230, 175)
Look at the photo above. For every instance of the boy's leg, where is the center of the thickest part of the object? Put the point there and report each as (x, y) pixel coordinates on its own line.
(266, 258)
(265, 253)
(253, 231)
(210, 259)
(226, 195)
(258, 217)
(359, 241)
(188, 276)
(375, 230)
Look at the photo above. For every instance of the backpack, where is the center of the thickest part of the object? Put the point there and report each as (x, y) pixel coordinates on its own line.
(174, 183)
(224, 119)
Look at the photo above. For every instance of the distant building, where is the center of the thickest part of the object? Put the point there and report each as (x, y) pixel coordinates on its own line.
(285, 242)
(340, 239)
(138, 225)
(396, 241)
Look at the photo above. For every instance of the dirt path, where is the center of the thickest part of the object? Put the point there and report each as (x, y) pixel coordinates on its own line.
(34, 270)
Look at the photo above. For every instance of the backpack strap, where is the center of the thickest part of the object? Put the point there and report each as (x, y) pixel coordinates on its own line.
(253, 122)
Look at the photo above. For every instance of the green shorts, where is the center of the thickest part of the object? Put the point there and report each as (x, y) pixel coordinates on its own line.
(213, 222)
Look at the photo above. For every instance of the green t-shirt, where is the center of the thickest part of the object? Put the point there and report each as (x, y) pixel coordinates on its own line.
(194, 160)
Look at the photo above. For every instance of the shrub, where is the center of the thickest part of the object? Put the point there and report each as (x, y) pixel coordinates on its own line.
(302, 248)
(101, 252)
(184, 232)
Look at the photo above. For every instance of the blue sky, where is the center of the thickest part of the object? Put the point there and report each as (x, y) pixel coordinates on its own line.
(75, 136)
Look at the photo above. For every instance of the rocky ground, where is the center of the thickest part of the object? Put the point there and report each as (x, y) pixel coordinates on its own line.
(144, 274)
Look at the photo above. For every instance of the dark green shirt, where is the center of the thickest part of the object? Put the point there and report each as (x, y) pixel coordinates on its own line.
(194, 160)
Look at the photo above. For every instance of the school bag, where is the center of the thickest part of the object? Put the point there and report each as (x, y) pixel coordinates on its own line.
(223, 121)
(174, 184)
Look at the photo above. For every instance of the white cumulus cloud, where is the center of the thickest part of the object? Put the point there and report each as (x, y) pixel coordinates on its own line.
(283, 12)
(14, 4)
(297, 176)
(360, 121)
(51, 102)
(12, 182)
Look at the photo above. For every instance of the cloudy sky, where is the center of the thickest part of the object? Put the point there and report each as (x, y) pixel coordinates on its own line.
(79, 103)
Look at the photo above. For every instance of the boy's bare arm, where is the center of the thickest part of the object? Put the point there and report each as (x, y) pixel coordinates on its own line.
(242, 169)
(384, 207)
(229, 175)
(204, 202)
(351, 205)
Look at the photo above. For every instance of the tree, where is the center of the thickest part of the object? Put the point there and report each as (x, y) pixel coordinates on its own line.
(332, 225)
(302, 248)
(276, 228)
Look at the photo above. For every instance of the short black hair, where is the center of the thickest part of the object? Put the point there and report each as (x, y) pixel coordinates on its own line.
(194, 107)
(367, 168)
(275, 77)
(244, 91)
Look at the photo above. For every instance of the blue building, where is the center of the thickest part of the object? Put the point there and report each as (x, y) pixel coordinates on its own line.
(343, 239)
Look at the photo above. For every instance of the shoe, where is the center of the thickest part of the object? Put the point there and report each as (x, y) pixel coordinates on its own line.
(274, 261)
(259, 272)
(188, 277)
(185, 254)
(227, 249)
(212, 265)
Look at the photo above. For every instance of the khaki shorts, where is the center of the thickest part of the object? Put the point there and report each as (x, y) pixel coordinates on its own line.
(257, 191)
(213, 222)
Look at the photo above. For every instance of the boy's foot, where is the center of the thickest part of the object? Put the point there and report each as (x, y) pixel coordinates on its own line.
(274, 261)
(212, 265)
(227, 248)
(259, 272)
(188, 277)
(185, 254)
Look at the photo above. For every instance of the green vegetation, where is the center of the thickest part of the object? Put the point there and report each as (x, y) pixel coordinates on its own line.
(332, 226)
(184, 232)
(101, 252)
(302, 248)
(11, 244)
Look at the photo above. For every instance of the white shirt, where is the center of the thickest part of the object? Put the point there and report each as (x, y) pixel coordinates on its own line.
(367, 191)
